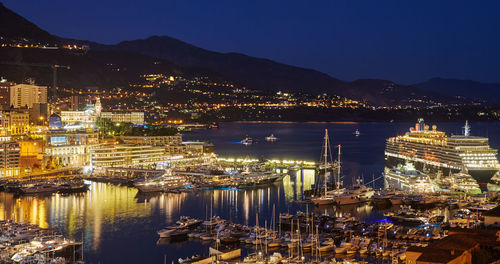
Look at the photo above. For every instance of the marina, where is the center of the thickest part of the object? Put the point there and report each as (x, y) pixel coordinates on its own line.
(110, 205)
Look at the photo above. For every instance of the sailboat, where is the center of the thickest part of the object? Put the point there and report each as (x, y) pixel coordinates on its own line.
(325, 198)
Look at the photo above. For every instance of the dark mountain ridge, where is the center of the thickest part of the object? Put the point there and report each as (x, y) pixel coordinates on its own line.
(466, 88)
(16, 27)
(137, 56)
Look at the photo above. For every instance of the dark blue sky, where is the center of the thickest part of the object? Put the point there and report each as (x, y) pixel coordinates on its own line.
(404, 41)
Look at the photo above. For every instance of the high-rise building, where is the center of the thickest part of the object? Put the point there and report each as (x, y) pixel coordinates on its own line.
(9, 159)
(78, 102)
(5, 92)
(25, 95)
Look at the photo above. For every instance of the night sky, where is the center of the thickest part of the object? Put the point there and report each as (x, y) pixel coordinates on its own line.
(404, 41)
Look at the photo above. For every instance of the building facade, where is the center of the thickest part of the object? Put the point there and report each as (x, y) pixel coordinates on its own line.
(124, 117)
(14, 122)
(68, 149)
(153, 140)
(5, 92)
(127, 155)
(25, 95)
(9, 159)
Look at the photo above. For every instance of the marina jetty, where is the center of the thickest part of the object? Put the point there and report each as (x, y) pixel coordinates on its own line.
(26, 243)
(314, 237)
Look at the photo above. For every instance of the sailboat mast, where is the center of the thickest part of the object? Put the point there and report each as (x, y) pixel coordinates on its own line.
(326, 158)
(338, 170)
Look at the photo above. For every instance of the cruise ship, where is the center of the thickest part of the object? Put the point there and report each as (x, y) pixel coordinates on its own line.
(433, 152)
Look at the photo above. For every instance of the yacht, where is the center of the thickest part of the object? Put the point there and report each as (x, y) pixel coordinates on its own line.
(406, 216)
(357, 133)
(40, 188)
(248, 141)
(463, 182)
(407, 178)
(166, 182)
(207, 177)
(271, 138)
(357, 193)
(252, 179)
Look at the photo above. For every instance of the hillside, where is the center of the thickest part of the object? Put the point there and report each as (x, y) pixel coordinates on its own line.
(267, 75)
(466, 88)
(15, 27)
(108, 66)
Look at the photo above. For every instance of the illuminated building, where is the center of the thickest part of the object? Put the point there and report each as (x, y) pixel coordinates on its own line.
(153, 140)
(124, 117)
(5, 92)
(9, 159)
(174, 146)
(190, 148)
(433, 151)
(127, 155)
(25, 95)
(69, 149)
(31, 153)
(14, 122)
(88, 117)
(85, 119)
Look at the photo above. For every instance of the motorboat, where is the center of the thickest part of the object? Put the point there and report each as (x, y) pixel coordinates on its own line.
(271, 138)
(166, 182)
(248, 141)
(406, 216)
(40, 188)
(357, 193)
(252, 179)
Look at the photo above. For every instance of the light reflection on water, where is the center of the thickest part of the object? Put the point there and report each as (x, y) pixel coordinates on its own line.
(109, 214)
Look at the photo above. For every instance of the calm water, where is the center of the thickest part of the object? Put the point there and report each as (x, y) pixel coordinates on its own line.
(119, 226)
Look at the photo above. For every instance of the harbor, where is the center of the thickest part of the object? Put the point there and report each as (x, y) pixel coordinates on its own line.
(114, 201)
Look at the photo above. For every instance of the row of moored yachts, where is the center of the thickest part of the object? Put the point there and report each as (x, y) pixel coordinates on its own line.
(173, 181)
(43, 186)
(26, 243)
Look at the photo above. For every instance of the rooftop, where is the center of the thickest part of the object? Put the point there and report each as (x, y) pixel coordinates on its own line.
(495, 212)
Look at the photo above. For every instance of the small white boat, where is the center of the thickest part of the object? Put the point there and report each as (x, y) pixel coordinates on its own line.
(271, 138)
(357, 133)
(248, 141)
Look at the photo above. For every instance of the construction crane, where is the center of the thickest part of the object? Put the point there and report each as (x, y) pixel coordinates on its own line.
(54, 71)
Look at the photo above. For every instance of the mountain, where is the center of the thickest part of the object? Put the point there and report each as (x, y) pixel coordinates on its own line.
(107, 66)
(466, 88)
(267, 75)
(16, 27)
(256, 73)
